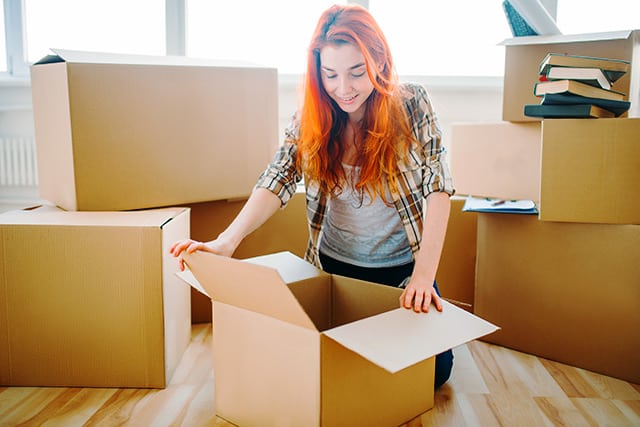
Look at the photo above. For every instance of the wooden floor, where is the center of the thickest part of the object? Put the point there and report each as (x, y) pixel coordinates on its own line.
(490, 386)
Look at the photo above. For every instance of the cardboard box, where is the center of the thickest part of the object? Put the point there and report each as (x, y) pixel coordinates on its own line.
(563, 291)
(524, 54)
(293, 345)
(122, 132)
(500, 159)
(457, 269)
(591, 171)
(286, 230)
(90, 299)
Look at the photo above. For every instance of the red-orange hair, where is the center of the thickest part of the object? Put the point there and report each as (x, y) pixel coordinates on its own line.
(386, 129)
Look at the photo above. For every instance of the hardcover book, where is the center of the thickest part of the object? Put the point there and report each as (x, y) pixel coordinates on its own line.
(616, 107)
(566, 111)
(613, 68)
(575, 88)
(590, 76)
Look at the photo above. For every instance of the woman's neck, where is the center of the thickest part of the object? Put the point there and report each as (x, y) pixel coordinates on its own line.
(351, 141)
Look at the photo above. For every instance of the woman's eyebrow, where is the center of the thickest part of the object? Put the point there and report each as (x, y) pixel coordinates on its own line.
(351, 68)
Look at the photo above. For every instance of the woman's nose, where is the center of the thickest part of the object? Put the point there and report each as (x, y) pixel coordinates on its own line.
(344, 86)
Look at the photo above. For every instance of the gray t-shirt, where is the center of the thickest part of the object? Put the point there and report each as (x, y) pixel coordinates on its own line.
(362, 233)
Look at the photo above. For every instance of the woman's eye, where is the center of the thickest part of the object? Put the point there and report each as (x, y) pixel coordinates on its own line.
(332, 76)
(359, 74)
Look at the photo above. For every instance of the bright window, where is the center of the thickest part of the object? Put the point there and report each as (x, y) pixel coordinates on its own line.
(436, 37)
(272, 33)
(3, 44)
(122, 26)
(588, 16)
(446, 38)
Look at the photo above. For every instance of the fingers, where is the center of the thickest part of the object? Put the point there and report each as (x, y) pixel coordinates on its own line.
(437, 301)
(187, 246)
(420, 300)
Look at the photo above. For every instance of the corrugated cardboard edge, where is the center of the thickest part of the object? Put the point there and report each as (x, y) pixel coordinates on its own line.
(568, 38)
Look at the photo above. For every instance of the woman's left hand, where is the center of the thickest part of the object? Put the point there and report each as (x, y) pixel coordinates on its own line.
(419, 295)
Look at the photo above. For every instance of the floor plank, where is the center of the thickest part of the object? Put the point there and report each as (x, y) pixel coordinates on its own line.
(490, 386)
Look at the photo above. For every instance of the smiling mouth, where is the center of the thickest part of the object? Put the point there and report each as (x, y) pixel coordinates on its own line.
(351, 98)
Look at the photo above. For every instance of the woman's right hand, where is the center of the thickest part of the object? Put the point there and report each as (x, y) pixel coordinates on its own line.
(218, 247)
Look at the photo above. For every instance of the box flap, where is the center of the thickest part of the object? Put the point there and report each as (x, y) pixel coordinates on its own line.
(251, 285)
(86, 57)
(190, 279)
(399, 338)
(567, 38)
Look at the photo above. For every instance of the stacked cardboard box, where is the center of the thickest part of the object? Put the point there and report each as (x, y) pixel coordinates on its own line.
(89, 292)
(563, 284)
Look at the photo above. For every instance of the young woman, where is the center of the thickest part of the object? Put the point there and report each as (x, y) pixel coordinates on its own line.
(369, 151)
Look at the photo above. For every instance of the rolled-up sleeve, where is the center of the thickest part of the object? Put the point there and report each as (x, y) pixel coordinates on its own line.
(427, 131)
(281, 177)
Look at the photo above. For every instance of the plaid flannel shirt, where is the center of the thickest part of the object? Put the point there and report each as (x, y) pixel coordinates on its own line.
(424, 171)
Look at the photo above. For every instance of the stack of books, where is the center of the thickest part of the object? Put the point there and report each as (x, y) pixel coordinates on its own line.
(579, 86)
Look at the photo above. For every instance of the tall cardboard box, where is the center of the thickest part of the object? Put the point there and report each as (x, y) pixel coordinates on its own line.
(500, 159)
(524, 54)
(90, 299)
(567, 292)
(591, 171)
(293, 345)
(121, 132)
(457, 268)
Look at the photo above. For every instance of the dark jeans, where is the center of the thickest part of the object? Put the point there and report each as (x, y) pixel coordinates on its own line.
(391, 276)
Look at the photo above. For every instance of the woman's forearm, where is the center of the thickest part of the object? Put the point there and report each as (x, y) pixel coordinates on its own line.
(436, 219)
(260, 206)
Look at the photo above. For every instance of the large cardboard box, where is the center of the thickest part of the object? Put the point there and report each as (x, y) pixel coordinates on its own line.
(567, 292)
(90, 299)
(293, 345)
(500, 159)
(286, 230)
(121, 132)
(524, 54)
(591, 171)
(457, 268)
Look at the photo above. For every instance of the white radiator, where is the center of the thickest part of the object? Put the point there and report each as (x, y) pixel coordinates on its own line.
(18, 165)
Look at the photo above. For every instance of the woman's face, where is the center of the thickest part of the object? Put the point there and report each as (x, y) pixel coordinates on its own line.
(345, 78)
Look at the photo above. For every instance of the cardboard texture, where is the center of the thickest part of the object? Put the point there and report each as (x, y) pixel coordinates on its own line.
(457, 268)
(90, 299)
(524, 54)
(113, 132)
(591, 171)
(296, 346)
(563, 291)
(499, 159)
(286, 230)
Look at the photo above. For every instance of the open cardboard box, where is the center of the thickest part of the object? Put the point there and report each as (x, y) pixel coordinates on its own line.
(112, 129)
(293, 345)
(524, 54)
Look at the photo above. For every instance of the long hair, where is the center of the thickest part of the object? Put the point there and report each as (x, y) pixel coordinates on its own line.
(385, 127)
